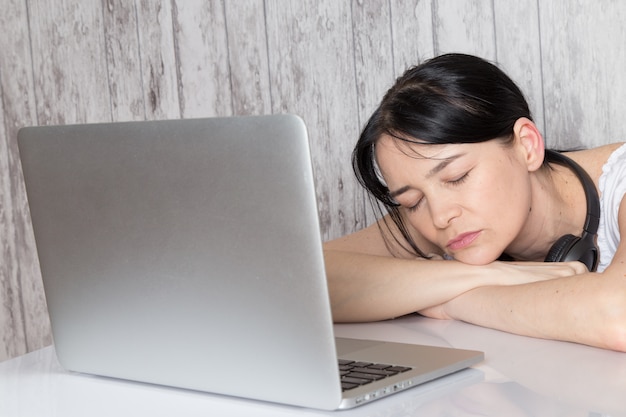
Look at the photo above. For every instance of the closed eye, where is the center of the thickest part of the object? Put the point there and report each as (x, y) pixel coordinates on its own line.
(416, 205)
(460, 180)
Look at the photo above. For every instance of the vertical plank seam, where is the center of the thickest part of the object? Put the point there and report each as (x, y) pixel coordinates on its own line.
(106, 57)
(140, 53)
(393, 44)
(541, 70)
(228, 62)
(267, 55)
(18, 281)
(434, 10)
(495, 30)
(354, 65)
(367, 198)
(13, 322)
(32, 60)
(356, 87)
(177, 64)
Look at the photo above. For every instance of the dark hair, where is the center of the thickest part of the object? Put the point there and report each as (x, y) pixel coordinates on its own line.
(452, 98)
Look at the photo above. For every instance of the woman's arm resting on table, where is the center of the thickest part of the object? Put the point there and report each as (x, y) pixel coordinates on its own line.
(366, 283)
(589, 308)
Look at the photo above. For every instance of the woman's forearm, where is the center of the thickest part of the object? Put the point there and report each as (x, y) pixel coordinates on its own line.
(365, 287)
(368, 287)
(588, 309)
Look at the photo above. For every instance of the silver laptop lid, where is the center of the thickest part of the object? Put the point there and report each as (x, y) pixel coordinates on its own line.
(171, 250)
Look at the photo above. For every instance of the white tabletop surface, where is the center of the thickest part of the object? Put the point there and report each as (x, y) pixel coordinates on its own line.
(520, 377)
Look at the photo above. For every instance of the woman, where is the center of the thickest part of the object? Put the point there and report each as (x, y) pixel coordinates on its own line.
(453, 156)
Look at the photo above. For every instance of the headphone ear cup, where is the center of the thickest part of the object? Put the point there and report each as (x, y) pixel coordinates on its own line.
(561, 248)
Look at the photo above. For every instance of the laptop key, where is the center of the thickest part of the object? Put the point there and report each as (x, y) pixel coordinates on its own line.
(371, 377)
(346, 386)
(358, 381)
(379, 366)
(398, 369)
(385, 372)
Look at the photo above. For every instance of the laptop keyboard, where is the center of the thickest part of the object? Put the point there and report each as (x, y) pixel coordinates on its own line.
(355, 374)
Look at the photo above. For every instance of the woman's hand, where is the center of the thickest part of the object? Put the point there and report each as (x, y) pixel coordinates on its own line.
(517, 273)
(514, 273)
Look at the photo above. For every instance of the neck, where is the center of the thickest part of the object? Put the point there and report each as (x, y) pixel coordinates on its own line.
(558, 208)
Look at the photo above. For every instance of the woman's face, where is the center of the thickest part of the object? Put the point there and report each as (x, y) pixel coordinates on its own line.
(471, 200)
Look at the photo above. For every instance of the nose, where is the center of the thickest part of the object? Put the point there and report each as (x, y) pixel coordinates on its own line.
(443, 211)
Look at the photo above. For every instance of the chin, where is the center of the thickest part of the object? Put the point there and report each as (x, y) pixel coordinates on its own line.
(476, 259)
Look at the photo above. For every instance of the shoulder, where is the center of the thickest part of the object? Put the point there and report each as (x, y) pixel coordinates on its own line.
(593, 160)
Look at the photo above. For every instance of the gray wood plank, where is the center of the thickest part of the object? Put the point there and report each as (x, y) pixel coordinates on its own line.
(123, 60)
(248, 57)
(158, 59)
(464, 26)
(374, 70)
(312, 74)
(413, 36)
(69, 60)
(202, 50)
(373, 47)
(519, 50)
(583, 78)
(23, 317)
(12, 332)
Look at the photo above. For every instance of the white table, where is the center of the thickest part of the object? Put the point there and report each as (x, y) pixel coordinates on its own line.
(519, 377)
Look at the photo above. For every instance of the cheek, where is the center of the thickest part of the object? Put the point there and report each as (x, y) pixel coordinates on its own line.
(507, 185)
(511, 201)
(420, 224)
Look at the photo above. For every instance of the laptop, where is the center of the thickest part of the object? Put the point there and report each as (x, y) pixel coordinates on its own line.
(188, 253)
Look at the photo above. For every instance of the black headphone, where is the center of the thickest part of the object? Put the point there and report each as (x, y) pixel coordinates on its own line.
(570, 247)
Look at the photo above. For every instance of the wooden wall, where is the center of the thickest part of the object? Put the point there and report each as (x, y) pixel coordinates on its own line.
(329, 61)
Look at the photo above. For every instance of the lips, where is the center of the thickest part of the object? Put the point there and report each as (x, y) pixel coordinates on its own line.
(462, 241)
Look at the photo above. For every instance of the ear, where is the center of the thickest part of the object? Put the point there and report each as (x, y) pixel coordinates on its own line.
(530, 142)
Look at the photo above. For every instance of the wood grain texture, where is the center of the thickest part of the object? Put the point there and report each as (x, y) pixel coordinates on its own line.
(583, 77)
(125, 78)
(312, 74)
(413, 35)
(69, 62)
(464, 26)
(373, 45)
(248, 57)
(372, 31)
(328, 61)
(24, 324)
(158, 59)
(203, 64)
(517, 33)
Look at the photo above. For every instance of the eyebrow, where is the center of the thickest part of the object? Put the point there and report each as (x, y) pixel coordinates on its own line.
(436, 169)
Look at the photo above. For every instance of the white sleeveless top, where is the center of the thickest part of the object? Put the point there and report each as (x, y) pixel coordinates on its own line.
(612, 186)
